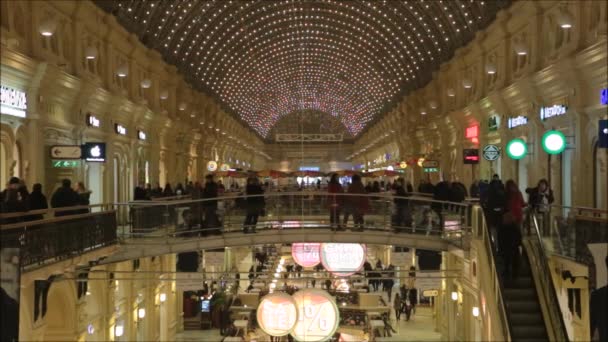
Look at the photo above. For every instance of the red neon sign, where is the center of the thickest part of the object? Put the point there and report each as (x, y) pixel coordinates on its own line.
(472, 132)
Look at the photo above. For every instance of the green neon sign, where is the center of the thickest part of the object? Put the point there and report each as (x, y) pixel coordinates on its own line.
(517, 149)
(554, 142)
(431, 169)
(65, 164)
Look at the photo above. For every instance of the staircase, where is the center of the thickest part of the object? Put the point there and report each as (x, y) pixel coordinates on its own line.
(192, 323)
(523, 308)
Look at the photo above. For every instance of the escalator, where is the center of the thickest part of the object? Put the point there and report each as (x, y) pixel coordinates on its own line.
(532, 310)
(523, 307)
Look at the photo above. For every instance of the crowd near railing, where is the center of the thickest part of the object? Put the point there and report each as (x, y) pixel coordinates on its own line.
(59, 233)
(55, 234)
(294, 210)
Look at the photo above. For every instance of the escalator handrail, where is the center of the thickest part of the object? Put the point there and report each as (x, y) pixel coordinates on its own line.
(543, 273)
(497, 284)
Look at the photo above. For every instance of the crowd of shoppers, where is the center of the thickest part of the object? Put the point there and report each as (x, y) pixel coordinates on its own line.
(16, 198)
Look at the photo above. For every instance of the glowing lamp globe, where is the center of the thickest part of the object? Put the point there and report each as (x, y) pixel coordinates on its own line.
(554, 142)
(517, 149)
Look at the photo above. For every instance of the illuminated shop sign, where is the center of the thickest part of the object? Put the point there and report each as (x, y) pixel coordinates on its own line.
(491, 152)
(12, 102)
(549, 112)
(93, 121)
(309, 168)
(602, 141)
(318, 316)
(517, 149)
(470, 156)
(211, 166)
(403, 165)
(342, 259)
(306, 254)
(554, 142)
(120, 129)
(493, 122)
(141, 135)
(430, 169)
(472, 133)
(517, 121)
(277, 314)
(225, 167)
(65, 164)
(94, 152)
(604, 96)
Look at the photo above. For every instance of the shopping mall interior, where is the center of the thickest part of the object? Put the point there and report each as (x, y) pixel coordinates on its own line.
(304, 170)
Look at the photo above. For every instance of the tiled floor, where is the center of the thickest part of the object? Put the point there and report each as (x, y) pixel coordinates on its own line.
(420, 328)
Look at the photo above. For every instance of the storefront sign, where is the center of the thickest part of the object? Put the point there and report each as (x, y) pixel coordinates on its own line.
(211, 166)
(430, 169)
(430, 163)
(602, 141)
(430, 293)
(517, 149)
(604, 97)
(120, 129)
(306, 254)
(549, 112)
(309, 168)
(403, 165)
(470, 156)
(490, 152)
(65, 164)
(517, 121)
(342, 259)
(12, 102)
(277, 314)
(93, 121)
(472, 132)
(554, 142)
(493, 122)
(94, 152)
(141, 135)
(318, 316)
(66, 152)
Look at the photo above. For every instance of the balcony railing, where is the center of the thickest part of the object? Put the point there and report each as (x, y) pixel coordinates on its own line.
(46, 236)
(296, 210)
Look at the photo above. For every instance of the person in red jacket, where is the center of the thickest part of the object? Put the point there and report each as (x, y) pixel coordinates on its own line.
(334, 202)
(509, 234)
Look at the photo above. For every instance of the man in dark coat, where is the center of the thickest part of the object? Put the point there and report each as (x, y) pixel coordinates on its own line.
(210, 191)
(65, 196)
(37, 201)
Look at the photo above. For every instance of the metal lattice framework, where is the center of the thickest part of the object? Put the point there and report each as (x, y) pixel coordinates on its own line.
(308, 137)
(266, 59)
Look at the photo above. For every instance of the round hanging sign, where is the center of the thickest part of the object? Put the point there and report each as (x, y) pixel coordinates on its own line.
(403, 165)
(554, 142)
(224, 167)
(318, 316)
(342, 259)
(490, 152)
(212, 166)
(277, 314)
(306, 254)
(517, 149)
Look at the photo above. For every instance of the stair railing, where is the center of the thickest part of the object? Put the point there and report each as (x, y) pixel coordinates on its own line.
(496, 284)
(554, 321)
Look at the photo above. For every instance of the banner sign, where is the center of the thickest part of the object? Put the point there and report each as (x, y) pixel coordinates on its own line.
(490, 152)
(189, 281)
(66, 152)
(517, 121)
(318, 316)
(555, 110)
(604, 97)
(94, 152)
(277, 314)
(12, 102)
(470, 156)
(342, 259)
(306, 254)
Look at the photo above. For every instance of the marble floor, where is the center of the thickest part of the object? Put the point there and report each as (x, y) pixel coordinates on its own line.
(419, 328)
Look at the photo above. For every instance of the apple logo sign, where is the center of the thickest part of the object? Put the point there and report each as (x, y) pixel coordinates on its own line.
(96, 151)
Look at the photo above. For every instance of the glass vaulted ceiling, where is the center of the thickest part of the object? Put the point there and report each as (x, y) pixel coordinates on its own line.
(265, 59)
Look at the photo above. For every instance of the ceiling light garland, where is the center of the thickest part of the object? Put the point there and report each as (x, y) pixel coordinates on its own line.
(263, 60)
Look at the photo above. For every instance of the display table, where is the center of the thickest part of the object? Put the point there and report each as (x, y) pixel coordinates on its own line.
(374, 323)
(372, 314)
(241, 324)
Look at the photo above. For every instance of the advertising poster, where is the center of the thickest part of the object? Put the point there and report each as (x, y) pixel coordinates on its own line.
(10, 279)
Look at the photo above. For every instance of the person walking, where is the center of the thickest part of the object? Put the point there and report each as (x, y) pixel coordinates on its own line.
(65, 196)
(540, 199)
(37, 201)
(509, 234)
(168, 191)
(412, 296)
(84, 196)
(334, 201)
(397, 306)
(210, 193)
(255, 204)
(402, 215)
(357, 205)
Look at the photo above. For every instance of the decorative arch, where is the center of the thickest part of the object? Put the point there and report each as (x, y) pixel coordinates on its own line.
(61, 315)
